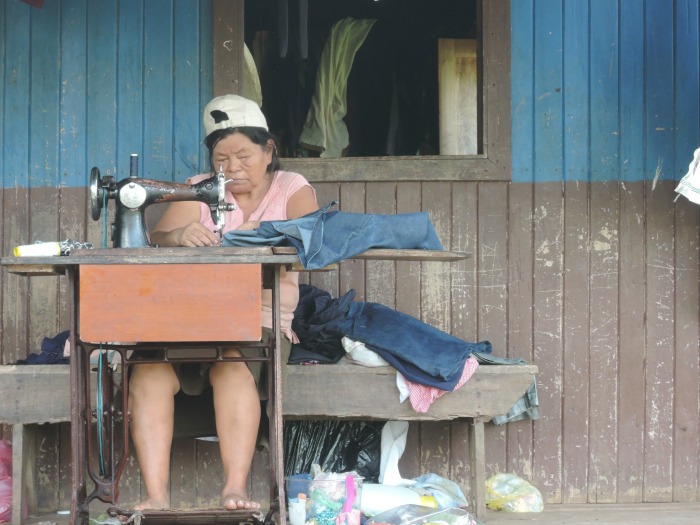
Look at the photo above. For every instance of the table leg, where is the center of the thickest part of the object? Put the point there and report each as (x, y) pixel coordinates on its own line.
(477, 460)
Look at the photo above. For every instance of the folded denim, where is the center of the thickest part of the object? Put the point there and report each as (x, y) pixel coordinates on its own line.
(325, 237)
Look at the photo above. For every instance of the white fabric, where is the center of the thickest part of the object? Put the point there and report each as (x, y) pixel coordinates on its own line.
(393, 444)
(359, 354)
(689, 185)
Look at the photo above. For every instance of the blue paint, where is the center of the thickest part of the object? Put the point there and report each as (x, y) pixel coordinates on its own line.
(629, 78)
(88, 82)
(45, 78)
(600, 90)
(577, 90)
(522, 72)
(74, 103)
(687, 99)
(631, 160)
(17, 87)
(101, 86)
(130, 138)
(549, 83)
(604, 89)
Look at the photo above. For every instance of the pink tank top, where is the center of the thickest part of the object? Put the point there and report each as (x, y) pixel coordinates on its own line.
(272, 208)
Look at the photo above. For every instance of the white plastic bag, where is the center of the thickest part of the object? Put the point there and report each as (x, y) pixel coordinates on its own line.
(509, 493)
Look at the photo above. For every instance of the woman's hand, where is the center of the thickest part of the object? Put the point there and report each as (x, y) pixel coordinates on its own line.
(194, 234)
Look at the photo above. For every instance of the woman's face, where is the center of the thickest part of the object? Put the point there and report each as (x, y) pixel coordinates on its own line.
(243, 162)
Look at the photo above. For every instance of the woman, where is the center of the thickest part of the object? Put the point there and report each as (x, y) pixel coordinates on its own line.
(240, 144)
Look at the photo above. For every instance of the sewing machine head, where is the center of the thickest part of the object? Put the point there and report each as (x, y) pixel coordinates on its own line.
(133, 195)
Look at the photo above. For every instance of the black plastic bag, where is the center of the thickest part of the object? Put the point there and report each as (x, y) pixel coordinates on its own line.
(337, 446)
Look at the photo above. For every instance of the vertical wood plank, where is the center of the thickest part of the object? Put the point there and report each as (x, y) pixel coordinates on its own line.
(548, 245)
(464, 311)
(547, 337)
(158, 84)
(604, 245)
(686, 450)
(182, 482)
(209, 477)
(632, 348)
(435, 277)
(575, 427)
(492, 278)
(435, 311)
(686, 431)
(408, 274)
(44, 173)
(352, 273)
(604, 239)
(328, 281)
(659, 135)
(15, 206)
(660, 362)
(47, 467)
(520, 314)
(228, 46)
(632, 344)
(576, 345)
(380, 276)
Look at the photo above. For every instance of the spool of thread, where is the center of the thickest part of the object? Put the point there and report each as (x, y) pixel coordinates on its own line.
(39, 249)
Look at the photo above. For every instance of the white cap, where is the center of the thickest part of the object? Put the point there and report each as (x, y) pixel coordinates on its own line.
(232, 111)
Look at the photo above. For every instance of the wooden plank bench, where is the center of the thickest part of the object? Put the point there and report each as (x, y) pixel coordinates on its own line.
(38, 394)
(31, 395)
(346, 390)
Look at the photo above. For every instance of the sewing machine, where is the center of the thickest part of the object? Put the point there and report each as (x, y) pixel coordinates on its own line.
(133, 195)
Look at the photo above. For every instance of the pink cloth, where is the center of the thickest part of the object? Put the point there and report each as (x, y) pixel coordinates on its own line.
(423, 396)
(272, 208)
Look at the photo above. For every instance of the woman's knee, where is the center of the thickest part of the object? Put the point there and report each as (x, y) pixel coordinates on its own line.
(153, 377)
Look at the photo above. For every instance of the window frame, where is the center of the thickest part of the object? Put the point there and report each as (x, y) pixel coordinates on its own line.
(494, 164)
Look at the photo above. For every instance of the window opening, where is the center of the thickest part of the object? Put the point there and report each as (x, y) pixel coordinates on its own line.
(367, 78)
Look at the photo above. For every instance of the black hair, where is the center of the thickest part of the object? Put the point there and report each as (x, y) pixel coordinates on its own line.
(259, 136)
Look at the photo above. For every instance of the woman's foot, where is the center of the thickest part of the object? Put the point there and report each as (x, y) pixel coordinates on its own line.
(238, 500)
(152, 504)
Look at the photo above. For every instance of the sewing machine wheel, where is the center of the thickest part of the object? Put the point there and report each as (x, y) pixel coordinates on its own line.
(96, 194)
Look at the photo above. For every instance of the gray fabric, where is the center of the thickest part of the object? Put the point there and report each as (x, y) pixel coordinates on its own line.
(527, 406)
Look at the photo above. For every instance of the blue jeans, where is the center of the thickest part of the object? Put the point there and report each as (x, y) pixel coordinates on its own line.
(421, 352)
(325, 237)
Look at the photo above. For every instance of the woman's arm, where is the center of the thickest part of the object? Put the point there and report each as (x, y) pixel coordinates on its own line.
(301, 202)
(180, 226)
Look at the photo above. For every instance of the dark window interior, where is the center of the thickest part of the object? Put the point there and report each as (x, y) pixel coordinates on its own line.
(392, 85)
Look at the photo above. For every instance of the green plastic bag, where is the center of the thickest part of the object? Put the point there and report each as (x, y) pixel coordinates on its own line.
(509, 493)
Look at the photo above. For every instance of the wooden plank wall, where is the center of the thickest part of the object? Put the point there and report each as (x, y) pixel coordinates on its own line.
(583, 264)
(549, 282)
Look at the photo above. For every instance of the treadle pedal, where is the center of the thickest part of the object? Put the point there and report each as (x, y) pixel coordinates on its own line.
(188, 516)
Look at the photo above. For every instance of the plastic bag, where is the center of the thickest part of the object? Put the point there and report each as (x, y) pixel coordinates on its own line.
(509, 493)
(337, 446)
(5, 481)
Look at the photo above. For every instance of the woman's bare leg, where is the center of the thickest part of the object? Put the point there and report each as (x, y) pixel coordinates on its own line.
(237, 407)
(152, 389)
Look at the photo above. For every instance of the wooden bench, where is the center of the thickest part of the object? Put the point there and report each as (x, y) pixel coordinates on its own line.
(345, 390)
(31, 395)
(38, 394)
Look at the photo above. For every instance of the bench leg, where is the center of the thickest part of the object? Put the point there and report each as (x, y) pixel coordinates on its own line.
(477, 459)
(23, 462)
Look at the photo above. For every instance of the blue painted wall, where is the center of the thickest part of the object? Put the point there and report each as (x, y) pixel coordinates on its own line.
(604, 90)
(88, 82)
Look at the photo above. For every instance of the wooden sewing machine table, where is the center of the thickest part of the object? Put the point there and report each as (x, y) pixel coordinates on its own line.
(127, 299)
